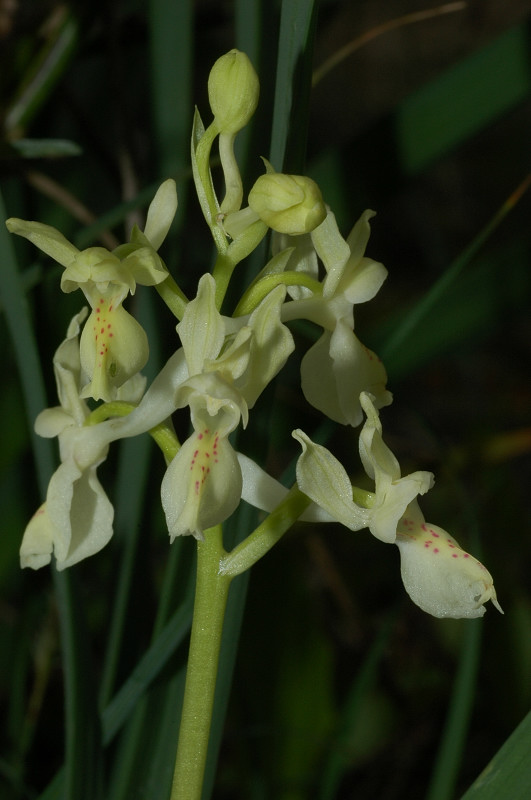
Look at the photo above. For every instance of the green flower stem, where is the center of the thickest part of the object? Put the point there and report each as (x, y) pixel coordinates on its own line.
(239, 249)
(116, 408)
(266, 535)
(257, 291)
(209, 609)
(215, 570)
(233, 182)
(165, 437)
(205, 188)
(172, 295)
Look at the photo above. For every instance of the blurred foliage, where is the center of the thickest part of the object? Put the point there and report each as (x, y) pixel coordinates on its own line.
(341, 687)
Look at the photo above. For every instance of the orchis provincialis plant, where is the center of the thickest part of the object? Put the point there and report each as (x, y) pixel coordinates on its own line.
(219, 370)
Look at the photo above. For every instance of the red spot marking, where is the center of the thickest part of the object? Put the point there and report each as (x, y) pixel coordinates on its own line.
(454, 555)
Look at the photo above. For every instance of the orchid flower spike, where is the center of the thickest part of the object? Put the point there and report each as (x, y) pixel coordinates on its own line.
(113, 346)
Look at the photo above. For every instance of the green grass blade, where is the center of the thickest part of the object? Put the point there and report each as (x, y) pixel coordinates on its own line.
(148, 668)
(338, 759)
(464, 100)
(508, 775)
(133, 470)
(405, 332)
(171, 54)
(453, 742)
(293, 85)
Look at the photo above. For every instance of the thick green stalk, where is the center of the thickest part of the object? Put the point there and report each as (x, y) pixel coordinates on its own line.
(209, 610)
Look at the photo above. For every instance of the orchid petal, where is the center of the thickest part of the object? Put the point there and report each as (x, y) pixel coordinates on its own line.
(336, 369)
(161, 212)
(46, 238)
(113, 348)
(37, 543)
(323, 478)
(270, 346)
(201, 329)
(202, 486)
(79, 512)
(440, 577)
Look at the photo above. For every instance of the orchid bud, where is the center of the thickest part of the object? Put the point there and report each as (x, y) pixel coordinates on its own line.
(233, 91)
(290, 204)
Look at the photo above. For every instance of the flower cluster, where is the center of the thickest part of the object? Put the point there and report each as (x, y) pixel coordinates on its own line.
(222, 364)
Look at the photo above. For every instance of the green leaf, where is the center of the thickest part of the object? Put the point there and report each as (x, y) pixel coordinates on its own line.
(293, 84)
(46, 148)
(464, 100)
(508, 775)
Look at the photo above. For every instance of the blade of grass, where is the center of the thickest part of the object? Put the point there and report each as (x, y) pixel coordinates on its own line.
(338, 759)
(451, 750)
(147, 669)
(464, 100)
(133, 470)
(43, 74)
(293, 83)
(171, 62)
(416, 316)
(508, 775)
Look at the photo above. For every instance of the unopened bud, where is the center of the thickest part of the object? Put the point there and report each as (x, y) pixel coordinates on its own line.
(290, 204)
(233, 91)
